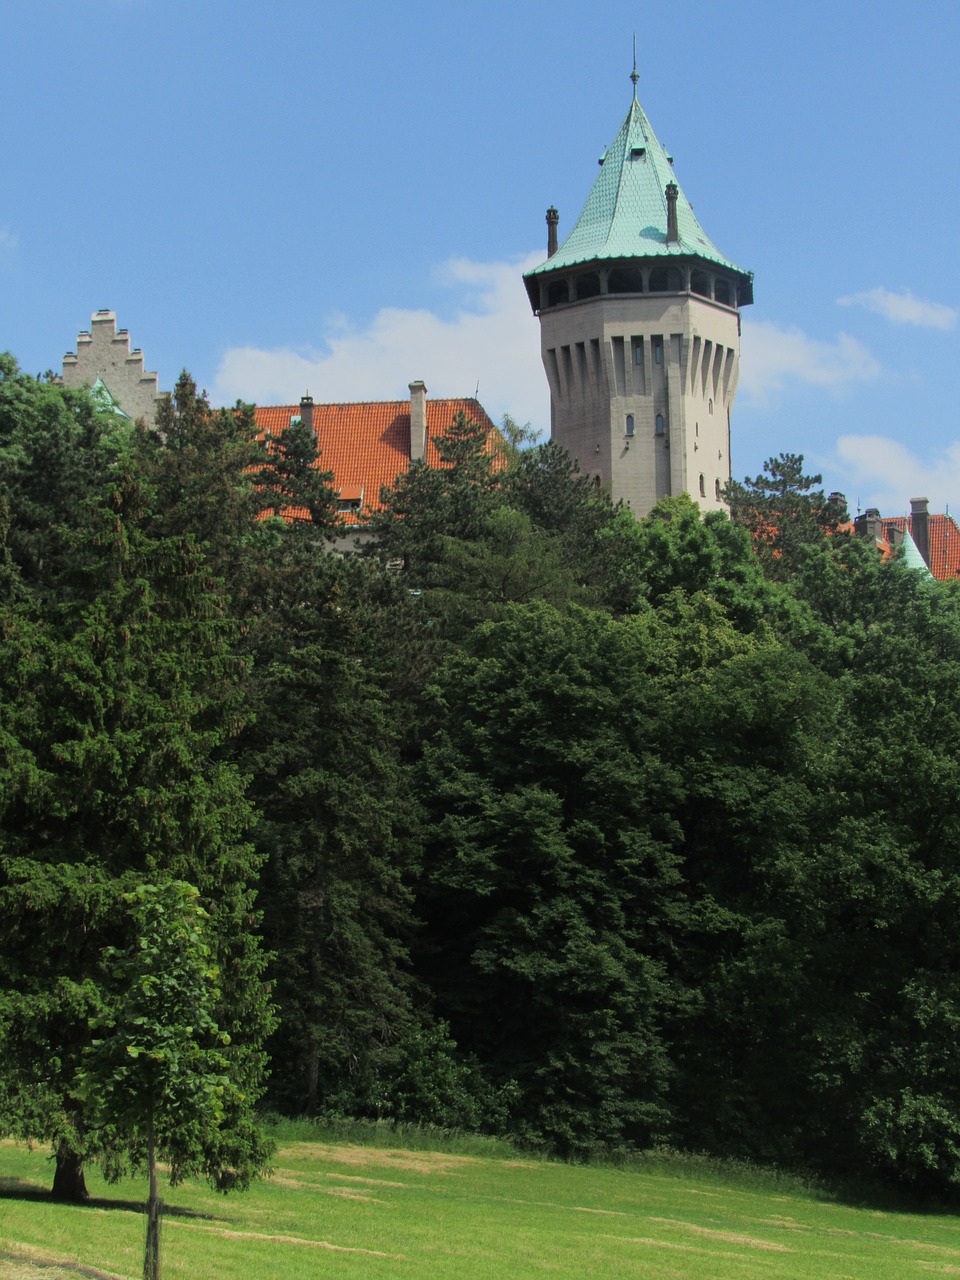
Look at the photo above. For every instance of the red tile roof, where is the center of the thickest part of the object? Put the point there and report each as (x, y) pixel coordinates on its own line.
(367, 446)
(944, 537)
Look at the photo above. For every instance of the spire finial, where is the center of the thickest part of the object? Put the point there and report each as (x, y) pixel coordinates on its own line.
(633, 74)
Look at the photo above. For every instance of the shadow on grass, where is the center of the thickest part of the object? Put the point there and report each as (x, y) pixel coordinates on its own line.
(20, 1189)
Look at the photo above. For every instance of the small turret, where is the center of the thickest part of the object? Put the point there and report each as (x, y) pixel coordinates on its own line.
(671, 191)
(553, 219)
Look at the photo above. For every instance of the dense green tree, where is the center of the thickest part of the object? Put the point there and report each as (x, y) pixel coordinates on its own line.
(887, 878)
(121, 685)
(550, 873)
(784, 511)
(56, 451)
(430, 508)
(324, 755)
(290, 483)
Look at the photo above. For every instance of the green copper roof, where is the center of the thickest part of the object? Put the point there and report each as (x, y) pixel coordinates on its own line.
(101, 394)
(625, 215)
(912, 556)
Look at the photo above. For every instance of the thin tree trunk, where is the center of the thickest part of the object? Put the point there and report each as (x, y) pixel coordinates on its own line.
(68, 1181)
(313, 1080)
(151, 1259)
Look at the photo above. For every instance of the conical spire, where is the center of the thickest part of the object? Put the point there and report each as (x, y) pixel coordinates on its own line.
(626, 213)
(912, 556)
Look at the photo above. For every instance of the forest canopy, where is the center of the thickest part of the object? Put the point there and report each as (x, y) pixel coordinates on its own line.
(597, 831)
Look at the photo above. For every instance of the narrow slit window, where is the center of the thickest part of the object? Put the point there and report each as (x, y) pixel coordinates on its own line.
(629, 424)
(661, 430)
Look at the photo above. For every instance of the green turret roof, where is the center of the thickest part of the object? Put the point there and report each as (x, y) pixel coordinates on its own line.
(625, 215)
(912, 556)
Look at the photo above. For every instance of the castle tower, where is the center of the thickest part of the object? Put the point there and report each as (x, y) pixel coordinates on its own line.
(640, 331)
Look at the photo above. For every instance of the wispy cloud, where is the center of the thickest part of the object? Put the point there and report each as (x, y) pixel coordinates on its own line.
(772, 356)
(491, 340)
(884, 473)
(902, 308)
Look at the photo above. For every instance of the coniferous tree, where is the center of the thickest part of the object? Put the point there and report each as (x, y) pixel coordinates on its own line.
(121, 683)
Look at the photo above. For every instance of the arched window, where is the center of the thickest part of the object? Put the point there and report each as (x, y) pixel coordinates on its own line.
(709, 406)
(703, 486)
(716, 486)
(661, 430)
(629, 424)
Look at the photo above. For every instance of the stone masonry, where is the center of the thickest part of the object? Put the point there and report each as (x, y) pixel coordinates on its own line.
(104, 352)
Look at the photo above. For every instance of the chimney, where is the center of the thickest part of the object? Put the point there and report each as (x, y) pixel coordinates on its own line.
(553, 219)
(671, 191)
(869, 525)
(418, 421)
(920, 527)
(306, 411)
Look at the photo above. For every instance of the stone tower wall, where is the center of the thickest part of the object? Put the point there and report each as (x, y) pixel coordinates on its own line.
(641, 389)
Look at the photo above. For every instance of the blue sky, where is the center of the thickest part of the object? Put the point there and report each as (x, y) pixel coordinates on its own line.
(341, 198)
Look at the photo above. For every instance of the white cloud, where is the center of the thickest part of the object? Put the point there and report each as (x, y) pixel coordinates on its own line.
(902, 308)
(8, 239)
(886, 474)
(772, 356)
(492, 340)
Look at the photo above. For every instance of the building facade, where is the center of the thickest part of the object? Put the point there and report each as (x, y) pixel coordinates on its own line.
(640, 331)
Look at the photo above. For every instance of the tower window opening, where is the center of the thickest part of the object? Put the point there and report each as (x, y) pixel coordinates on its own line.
(716, 487)
(625, 280)
(709, 406)
(660, 428)
(700, 283)
(666, 280)
(629, 424)
(721, 292)
(557, 293)
(658, 351)
(588, 286)
(703, 486)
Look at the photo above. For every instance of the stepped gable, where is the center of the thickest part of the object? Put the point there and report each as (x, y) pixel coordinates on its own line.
(104, 361)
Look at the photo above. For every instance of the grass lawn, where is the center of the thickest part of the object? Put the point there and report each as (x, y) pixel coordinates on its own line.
(379, 1213)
